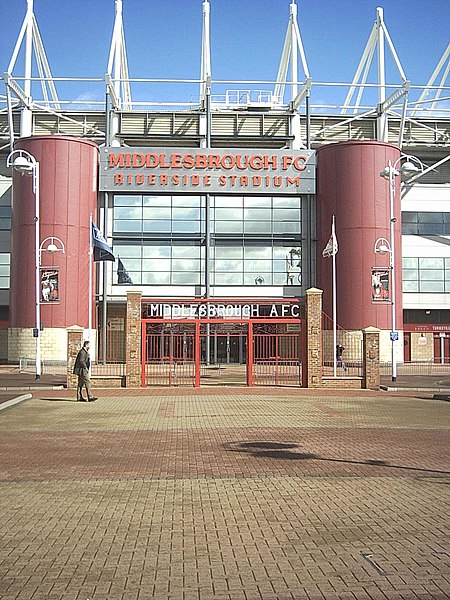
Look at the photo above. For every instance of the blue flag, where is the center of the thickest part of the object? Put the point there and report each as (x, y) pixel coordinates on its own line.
(101, 249)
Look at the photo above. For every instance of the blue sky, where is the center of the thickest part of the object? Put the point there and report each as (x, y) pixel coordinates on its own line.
(164, 40)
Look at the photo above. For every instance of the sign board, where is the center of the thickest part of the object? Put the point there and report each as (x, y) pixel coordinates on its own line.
(221, 310)
(381, 285)
(394, 336)
(200, 170)
(49, 285)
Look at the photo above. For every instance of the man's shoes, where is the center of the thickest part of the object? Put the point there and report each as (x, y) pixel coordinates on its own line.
(82, 400)
(92, 398)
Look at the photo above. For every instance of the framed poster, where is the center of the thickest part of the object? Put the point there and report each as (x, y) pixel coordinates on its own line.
(381, 289)
(49, 285)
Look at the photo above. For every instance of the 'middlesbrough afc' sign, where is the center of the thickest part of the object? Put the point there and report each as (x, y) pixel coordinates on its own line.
(172, 170)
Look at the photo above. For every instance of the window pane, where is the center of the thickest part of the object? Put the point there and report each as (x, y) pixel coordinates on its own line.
(227, 214)
(432, 286)
(186, 226)
(431, 263)
(286, 227)
(156, 251)
(127, 200)
(156, 213)
(260, 202)
(232, 252)
(6, 258)
(157, 200)
(4, 270)
(228, 201)
(156, 278)
(127, 226)
(127, 212)
(409, 217)
(286, 215)
(258, 266)
(157, 226)
(186, 278)
(188, 214)
(229, 226)
(410, 229)
(228, 265)
(258, 227)
(280, 279)
(228, 278)
(162, 264)
(430, 229)
(186, 251)
(186, 264)
(430, 217)
(287, 202)
(255, 252)
(259, 279)
(429, 275)
(186, 201)
(410, 286)
(410, 274)
(260, 214)
(410, 263)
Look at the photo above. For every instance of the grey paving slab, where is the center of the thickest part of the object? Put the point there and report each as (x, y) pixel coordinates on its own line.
(225, 496)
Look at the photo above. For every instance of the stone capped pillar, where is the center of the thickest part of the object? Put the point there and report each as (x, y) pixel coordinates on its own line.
(133, 340)
(371, 358)
(313, 338)
(74, 345)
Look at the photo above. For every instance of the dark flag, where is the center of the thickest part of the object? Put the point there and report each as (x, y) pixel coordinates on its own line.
(123, 276)
(101, 249)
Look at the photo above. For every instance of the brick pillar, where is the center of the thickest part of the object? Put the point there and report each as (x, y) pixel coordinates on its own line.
(74, 345)
(313, 338)
(371, 358)
(133, 341)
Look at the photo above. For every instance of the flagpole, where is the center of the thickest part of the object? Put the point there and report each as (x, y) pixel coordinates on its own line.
(333, 235)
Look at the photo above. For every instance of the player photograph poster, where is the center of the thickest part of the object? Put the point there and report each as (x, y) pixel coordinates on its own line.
(380, 285)
(49, 285)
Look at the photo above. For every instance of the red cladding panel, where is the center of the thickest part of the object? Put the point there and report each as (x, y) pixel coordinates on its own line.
(68, 194)
(349, 186)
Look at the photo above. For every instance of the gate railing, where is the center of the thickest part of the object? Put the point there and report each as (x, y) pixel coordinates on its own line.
(350, 359)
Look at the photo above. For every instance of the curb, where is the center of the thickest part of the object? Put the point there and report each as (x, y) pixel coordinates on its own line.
(31, 387)
(14, 401)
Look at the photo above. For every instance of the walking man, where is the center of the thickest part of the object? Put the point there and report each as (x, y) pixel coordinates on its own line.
(81, 368)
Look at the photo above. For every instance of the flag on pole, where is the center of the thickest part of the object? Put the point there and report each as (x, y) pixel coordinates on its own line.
(123, 277)
(331, 248)
(101, 249)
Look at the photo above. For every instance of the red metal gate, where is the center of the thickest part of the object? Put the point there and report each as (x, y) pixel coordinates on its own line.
(196, 350)
(169, 355)
(277, 354)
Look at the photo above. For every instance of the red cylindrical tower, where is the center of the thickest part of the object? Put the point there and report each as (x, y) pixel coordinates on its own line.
(349, 186)
(68, 194)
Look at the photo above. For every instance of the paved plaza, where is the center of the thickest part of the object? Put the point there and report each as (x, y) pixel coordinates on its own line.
(230, 494)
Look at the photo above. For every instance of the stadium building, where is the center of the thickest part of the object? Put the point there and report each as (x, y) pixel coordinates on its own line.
(223, 212)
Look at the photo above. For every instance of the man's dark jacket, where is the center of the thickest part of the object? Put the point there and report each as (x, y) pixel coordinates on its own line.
(82, 362)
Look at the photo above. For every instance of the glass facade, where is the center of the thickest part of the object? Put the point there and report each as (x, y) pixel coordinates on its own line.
(425, 223)
(253, 240)
(426, 275)
(5, 262)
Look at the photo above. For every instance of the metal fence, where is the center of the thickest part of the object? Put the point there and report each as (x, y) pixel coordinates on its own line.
(349, 355)
(428, 367)
(112, 361)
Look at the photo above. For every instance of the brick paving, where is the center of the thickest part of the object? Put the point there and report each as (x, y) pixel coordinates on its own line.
(225, 494)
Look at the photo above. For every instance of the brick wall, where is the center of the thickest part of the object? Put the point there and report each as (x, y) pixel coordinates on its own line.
(314, 338)
(133, 339)
(371, 358)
